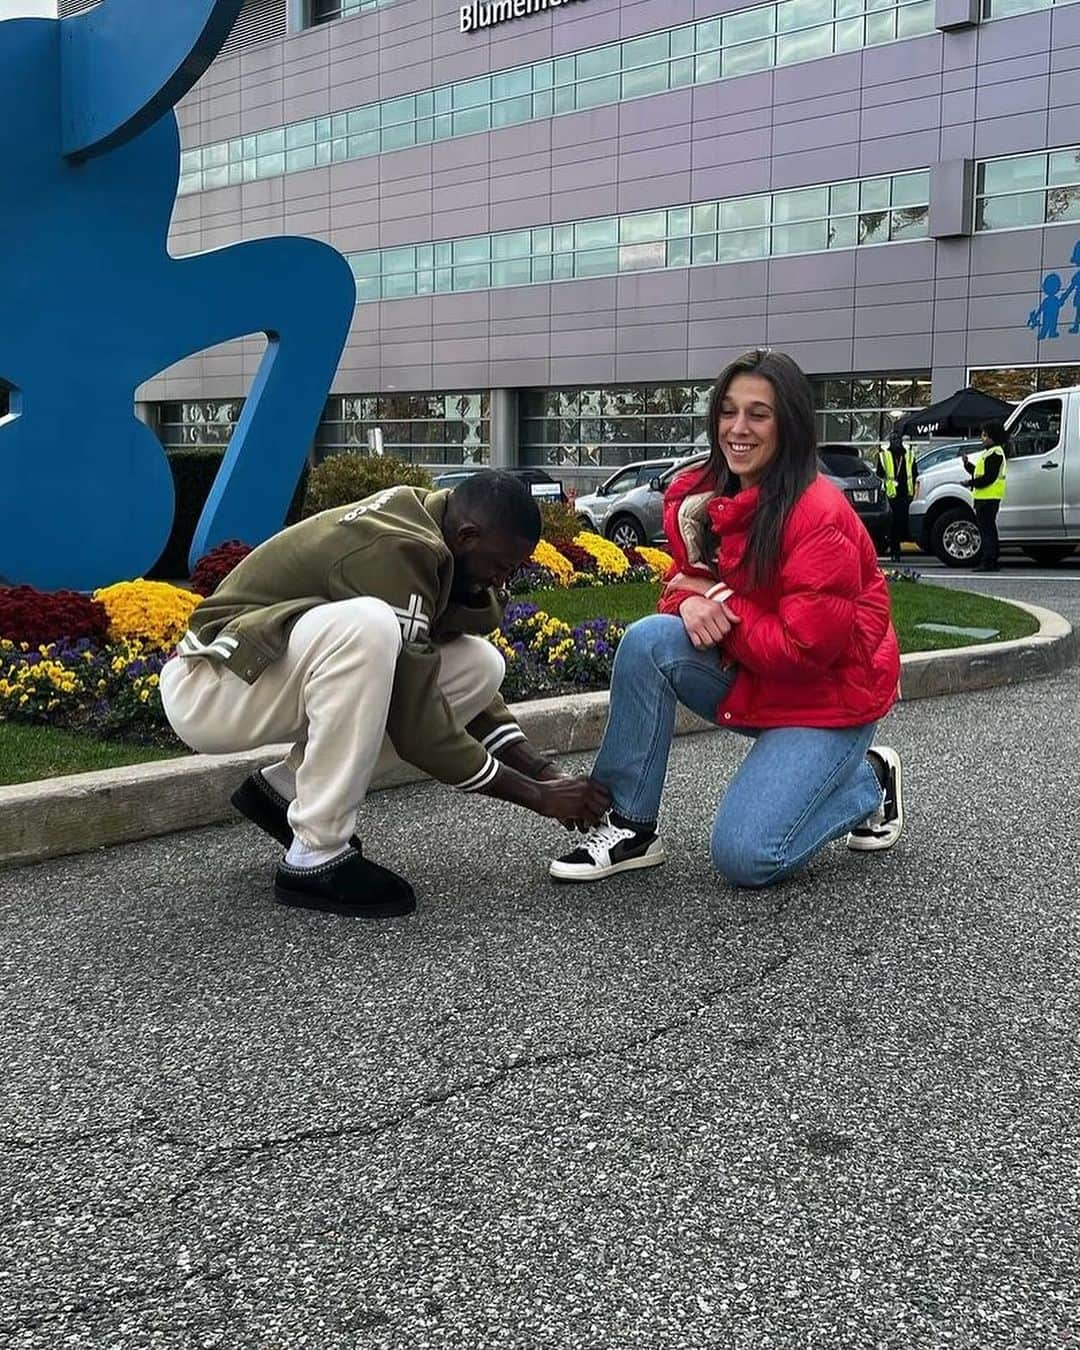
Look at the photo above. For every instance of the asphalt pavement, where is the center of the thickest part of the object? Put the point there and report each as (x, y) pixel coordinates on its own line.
(659, 1113)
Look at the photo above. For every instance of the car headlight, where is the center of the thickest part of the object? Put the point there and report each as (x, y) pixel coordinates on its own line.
(918, 490)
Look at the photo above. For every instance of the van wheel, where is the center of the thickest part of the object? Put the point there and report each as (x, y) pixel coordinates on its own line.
(1049, 555)
(626, 532)
(955, 537)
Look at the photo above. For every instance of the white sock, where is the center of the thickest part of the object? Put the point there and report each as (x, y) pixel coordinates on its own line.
(300, 855)
(281, 778)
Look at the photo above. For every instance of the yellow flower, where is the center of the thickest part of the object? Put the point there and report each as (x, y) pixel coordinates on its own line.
(658, 560)
(609, 557)
(548, 556)
(150, 612)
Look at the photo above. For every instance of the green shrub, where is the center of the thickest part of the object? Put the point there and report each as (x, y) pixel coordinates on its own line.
(342, 479)
(561, 524)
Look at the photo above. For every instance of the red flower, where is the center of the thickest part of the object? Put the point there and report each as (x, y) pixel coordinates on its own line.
(582, 559)
(39, 617)
(213, 567)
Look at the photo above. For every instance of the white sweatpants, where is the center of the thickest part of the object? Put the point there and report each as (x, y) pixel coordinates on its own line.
(330, 695)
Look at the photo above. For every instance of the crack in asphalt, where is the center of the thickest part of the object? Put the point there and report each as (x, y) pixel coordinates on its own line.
(237, 1157)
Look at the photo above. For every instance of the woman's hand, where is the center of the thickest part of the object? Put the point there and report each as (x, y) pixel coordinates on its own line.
(682, 581)
(707, 622)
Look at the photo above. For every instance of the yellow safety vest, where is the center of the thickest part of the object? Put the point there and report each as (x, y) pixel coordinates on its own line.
(996, 490)
(906, 466)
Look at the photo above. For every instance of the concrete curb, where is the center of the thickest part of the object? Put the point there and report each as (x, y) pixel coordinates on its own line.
(966, 669)
(82, 812)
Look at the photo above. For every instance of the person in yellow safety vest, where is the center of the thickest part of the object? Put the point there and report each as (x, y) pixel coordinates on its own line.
(899, 472)
(989, 470)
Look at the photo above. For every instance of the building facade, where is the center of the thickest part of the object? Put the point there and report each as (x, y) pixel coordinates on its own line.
(564, 218)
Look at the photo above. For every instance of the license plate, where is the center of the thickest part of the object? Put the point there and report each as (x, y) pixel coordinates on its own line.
(863, 496)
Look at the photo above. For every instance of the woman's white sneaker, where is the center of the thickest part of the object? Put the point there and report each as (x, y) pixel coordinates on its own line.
(882, 829)
(606, 850)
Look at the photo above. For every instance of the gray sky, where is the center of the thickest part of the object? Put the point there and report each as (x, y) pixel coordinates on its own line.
(15, 9)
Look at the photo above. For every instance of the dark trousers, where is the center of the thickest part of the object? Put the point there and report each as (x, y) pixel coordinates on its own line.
(898, 526)
(986, 511)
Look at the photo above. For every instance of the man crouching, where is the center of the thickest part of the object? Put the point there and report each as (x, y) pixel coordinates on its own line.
(360, 624)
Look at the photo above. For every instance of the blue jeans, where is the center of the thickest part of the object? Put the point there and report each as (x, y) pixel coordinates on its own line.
(798, 788)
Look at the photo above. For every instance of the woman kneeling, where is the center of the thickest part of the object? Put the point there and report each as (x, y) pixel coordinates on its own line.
(774, 622)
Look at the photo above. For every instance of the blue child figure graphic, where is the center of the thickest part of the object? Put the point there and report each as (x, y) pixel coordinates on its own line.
(92, 304)
(1074, 288)
(1045, 315)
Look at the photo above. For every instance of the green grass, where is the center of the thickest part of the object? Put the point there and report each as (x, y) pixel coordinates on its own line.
(940, 604)
(28, 753)
(625, 603)
(912, 604)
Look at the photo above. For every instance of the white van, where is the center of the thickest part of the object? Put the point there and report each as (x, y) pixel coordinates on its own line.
(1041, 510)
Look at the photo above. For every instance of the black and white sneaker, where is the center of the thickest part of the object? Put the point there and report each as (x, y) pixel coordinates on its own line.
(882, 829)
(606, 850)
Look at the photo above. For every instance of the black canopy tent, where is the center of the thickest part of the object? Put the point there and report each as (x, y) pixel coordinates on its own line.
(961, 414)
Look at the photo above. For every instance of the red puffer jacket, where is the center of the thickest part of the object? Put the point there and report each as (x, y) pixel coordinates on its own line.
(815, 646)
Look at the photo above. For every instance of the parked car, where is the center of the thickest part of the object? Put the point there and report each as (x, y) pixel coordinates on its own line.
(595, 507)
(636, 517)
(541, 484)
(1041, 510)
(934, 455)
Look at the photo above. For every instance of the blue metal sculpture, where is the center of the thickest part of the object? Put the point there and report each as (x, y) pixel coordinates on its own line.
(91, 303)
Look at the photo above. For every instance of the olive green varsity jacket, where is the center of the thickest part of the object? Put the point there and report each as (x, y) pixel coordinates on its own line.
(390, 546)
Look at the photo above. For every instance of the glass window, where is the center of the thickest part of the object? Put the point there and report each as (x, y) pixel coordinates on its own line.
(470, 93)
(843, 232)
(622, 482)
(1012, 175)
(1062, 203)
(510, 83)
(880, 27)
(849, 35)
(804, 46)
(1064, 167)
(745, 211)
(807, 237)
(646, 80)
(742, 245)
(646, 51)
(747, 57)
(910, 189)
(646, 225)
(599, 262)
(594, 93)
(795, 14)
(875, 193)
(642, 257)
(802, 204)
(909, 224)
(748, 25)
(512, 244)
(704, 218)
(1010, 213)
(1037, 431)
(602, 61)
(595, 233)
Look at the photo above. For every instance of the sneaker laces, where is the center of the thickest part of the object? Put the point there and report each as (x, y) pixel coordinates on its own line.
(604, 838)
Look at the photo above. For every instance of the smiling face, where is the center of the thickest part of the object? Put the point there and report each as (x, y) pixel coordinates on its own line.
(747, 428)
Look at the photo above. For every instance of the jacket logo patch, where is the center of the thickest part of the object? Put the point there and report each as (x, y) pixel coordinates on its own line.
(414, 622)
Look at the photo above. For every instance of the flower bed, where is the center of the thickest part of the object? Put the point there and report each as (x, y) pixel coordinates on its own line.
(93, 664)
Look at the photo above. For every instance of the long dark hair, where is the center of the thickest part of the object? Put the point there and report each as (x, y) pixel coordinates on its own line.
(795, 465)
